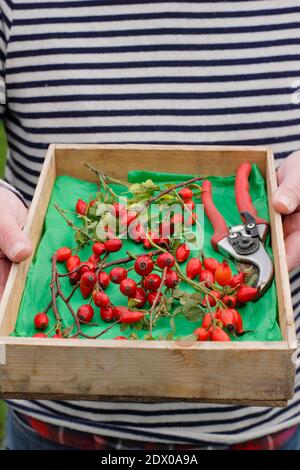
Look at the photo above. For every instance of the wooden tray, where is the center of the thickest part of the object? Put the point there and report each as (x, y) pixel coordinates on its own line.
(254, 373)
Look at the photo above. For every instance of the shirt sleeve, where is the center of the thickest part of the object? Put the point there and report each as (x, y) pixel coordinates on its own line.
(6, 19)
(5, 185)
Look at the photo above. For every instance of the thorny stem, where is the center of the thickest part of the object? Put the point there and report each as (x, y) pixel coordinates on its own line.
(172, 188)
(61, 294)
(72, 292)
(53, 293)
(128, 259)
(71, 224)
(80, 333)
(49, 304)
(189, 211)
(55, 282)
(73, 271)
(156, 300)
(107, 179)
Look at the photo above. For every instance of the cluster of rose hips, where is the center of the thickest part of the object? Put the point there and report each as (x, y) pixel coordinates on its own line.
(137, 232)
(225, 292)
(222, 291)
(93, 283)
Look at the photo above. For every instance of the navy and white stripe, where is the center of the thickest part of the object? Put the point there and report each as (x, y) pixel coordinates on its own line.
(151, 72)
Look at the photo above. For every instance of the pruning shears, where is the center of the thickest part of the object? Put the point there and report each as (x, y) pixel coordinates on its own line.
(244, 243)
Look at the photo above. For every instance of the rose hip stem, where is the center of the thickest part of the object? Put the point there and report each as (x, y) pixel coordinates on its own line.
(53, 293)
(60, 293)
(188, 210)
(72, 292)
(157, 299)
(80, 333)
(169, 190)
(49, 304)
(107, 179)
(128, 259)
(73, 271)
(70, 223)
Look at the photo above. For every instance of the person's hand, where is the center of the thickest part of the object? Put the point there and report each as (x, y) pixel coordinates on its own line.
(14, 245)
(286, 200)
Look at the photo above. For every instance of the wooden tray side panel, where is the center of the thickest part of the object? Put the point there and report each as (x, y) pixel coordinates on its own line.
(285, 308)
(33, 228)
(193, 372)
(118, 160)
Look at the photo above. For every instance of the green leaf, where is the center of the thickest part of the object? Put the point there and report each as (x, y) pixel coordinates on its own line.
(133, 336)
(123, 327)
(252, 278)
(173, 325)
(148, 184)
(138, 325)
(170, 336)
(135, 188)
(170, 300)
(178, 293)
(148, 337)
(193, 314)
(177, 311)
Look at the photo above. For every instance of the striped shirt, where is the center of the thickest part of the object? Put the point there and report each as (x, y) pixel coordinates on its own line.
(136, 71)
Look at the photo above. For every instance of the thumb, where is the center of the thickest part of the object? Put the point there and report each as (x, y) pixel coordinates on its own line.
(13, 242)
(286, 198)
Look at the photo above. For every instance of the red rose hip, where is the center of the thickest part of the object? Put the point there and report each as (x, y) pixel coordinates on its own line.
(103, 279)
(117, 275)
(211, 264)
(62, 254)
(128, 287)
(223, 274)
(113, 245)
(81, 207)
(72, 262)
(152, 297)
(193, 268)
(185, 193)
(107, 314)
(182, 253)
(89, 279)
(98, 248)
(41, 321)
(143, 265)
(152, 282)
(207, 277)
(165, 260)
(171, 279)
(101, 299)
(85, 313)
(139, 299)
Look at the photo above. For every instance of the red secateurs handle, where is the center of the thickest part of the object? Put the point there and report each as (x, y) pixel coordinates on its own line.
(217, 220)
(242, 195)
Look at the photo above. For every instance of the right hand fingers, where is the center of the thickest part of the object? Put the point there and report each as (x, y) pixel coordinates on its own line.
(13, 242)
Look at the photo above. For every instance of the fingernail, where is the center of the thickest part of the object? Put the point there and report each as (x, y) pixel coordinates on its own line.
(16, 249)
(287, 202)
